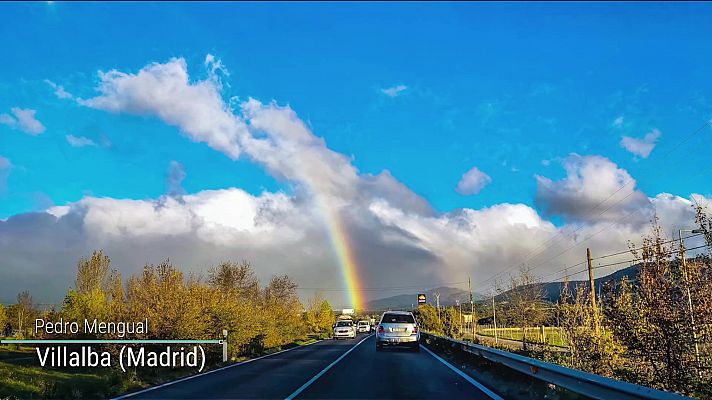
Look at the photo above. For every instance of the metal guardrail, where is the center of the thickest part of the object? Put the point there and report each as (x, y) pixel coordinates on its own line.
(584, 383)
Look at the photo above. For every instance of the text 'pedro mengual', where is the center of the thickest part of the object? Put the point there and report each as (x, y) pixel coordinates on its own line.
(91, 327)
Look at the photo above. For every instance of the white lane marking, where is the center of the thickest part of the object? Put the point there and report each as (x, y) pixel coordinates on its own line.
(209, 372)
(323, 371)
(491, 394)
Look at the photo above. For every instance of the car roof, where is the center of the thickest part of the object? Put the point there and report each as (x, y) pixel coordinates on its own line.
(398, 312)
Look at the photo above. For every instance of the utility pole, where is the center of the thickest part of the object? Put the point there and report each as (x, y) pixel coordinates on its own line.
(691, 310)
(494, 317)
(593, 291)
(472, 307)
(224, 345)
(437, 301)
(459, 304)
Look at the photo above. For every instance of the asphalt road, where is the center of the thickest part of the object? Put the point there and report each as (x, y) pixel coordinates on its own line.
(329, 369)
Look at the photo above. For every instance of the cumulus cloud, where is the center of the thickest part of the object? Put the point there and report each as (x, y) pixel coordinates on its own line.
(393, 232)
(23, 119)
(165, 91)
(641, 147)
(394, 91)
(472, 182)
(79, 141)
(215, 65)
(594, 189)
(59, 90)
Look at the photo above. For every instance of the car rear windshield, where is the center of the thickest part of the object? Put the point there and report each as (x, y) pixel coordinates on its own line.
(344, 323)
(397, 319)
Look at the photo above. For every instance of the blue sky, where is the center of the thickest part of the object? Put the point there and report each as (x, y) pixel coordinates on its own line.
(500, 86)
(427, 91)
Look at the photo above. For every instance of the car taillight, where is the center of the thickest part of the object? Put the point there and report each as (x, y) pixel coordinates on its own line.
(380, 329)
(415, 329)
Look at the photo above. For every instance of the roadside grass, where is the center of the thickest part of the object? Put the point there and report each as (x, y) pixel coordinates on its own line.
(22, 378)
(552, 335)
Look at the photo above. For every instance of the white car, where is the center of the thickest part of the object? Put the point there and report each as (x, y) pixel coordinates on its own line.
(363, 327)
(344, 329)
(398, 328)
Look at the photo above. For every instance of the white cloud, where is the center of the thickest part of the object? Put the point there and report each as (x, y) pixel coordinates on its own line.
(165, 91)
(215, 65)
(618, 122)
(24, 119)
(394, 91)
(595, 189)
(393, 231)
(59, 90)
(472, 182)
(79, 141)
(641, 147)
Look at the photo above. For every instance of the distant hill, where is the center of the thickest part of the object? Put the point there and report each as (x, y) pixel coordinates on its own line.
(552, 290)
(448, 297)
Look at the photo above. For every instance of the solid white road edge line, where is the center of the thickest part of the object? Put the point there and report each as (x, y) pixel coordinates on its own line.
(123, 396)
(491, 394)
(323, 371)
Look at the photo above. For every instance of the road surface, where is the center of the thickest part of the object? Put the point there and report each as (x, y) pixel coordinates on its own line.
(347, 369)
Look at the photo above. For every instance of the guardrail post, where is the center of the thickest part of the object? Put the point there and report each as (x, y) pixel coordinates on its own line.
(224, 345)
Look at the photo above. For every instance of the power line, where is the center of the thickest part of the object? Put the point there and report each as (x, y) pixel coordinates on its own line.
(379, 288)
(620, 262)
(642, 247)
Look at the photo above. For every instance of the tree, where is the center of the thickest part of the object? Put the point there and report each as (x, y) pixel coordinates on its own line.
(24, 312)
(319, 316)
(282, 310)
(450, 319)
(235, 306)
(3, 319)
(174, 307)
(525, 304)
(98, 291)
(427, 317)
(597, 353)
(652, 317)
(326, 318)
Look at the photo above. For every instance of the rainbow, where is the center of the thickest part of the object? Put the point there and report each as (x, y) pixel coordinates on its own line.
(344, 252)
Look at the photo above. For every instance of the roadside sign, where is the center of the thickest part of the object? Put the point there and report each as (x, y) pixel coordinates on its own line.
(347, 311)
(421, 298)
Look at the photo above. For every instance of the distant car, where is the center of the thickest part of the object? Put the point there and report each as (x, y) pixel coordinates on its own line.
(363, 327)
(344, 329)
(398, 328)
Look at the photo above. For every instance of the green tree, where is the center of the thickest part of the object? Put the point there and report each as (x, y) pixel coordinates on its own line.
(326, 318)
(282, 312)
(427, 317)
(98, 291)
(236, 297)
